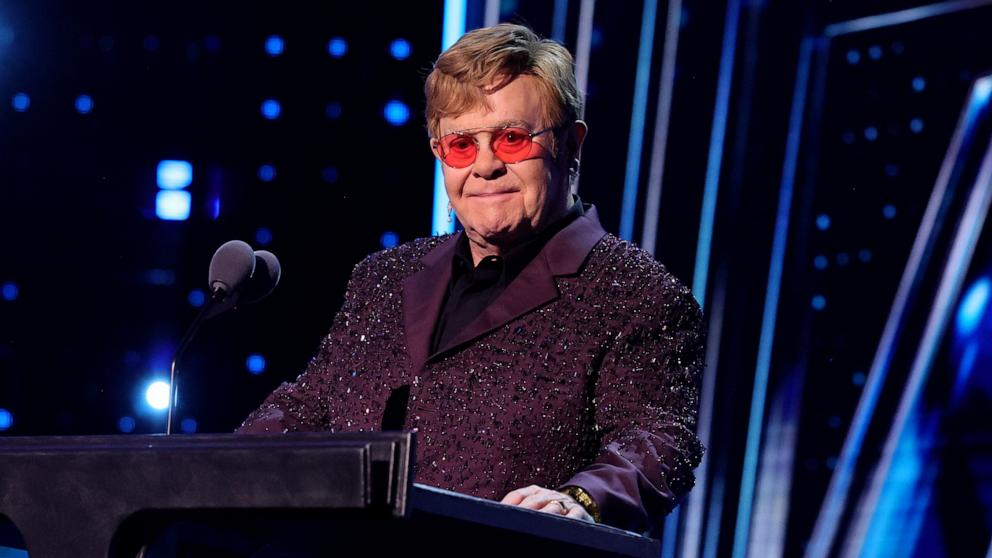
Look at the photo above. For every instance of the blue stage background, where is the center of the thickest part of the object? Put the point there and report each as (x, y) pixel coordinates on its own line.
(779, 157)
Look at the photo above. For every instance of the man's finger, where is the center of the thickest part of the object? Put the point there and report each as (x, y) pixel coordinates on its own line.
(578, 512)
(535, 501)
(514, 497)
(556, 507)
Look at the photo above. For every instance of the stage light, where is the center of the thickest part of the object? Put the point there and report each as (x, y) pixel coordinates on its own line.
(400, 49)
(974, 304)
(160, 277)
(858, 378)
(263, 236)
(919, 84)
(6, 419)
(389, 239)
(337, 47)
(266, 173)
(212, 44)
(329, 175)
(172, 205)
(271, 109)
(820, 262)
(871, 133)
(864, 255)
(157, 395)
(875, 52)
(823, 222)
(9, 291)
(452, 28)
(151, 43)
(84, 104)
(126, 425)
(819, 302)
(892, 170)
(274, 45)
(396, 113)
(196, 298)
(843, 259)
(333, 110)
(853, 57)
(214, 207)
(21, 102)
(889, 211)
(255, 363)
(916, 125)
(174, 175)
(188, 425)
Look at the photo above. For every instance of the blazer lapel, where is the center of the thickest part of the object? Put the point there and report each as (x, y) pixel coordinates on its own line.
(535, 286)
(423, 294)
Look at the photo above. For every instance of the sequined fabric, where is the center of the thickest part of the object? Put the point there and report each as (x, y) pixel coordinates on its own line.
(596, 388)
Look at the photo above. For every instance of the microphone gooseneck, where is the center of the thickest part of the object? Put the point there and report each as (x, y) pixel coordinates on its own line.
(237, 272)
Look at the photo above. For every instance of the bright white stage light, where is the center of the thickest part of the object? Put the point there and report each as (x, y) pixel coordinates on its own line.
(157, 395)
(174, 175)
(173, 205)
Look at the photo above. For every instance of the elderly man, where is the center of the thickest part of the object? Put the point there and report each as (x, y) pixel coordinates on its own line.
(550, 364)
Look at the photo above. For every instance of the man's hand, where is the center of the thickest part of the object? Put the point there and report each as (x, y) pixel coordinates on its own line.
(545, 500)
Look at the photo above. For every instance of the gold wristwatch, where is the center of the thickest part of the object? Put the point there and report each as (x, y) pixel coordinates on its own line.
(584, 500)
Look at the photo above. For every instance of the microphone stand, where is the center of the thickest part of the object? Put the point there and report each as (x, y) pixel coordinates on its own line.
(216, 296)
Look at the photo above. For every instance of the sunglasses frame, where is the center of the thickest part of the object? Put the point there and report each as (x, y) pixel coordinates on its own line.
(471, 132)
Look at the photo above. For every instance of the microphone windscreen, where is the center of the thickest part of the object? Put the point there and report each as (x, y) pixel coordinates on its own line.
(263, 281)
(233, 264)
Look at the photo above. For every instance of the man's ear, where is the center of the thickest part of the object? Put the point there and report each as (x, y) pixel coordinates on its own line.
(576, 135)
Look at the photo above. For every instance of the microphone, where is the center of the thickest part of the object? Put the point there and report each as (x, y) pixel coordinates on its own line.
(264, 279)
(231, 268)
(233, 263)
(237, 273)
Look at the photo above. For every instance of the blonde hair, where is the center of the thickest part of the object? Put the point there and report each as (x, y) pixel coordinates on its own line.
(486, 59)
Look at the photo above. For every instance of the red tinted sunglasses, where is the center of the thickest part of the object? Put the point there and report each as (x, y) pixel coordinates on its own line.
(510, 144)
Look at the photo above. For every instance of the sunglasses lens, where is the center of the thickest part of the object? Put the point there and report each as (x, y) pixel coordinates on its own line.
(510, 145)
(513, 145)
(458, 150)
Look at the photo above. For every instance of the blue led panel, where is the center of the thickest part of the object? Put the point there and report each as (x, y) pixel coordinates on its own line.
(84, 104)
(400, 49)
(174, 175)
(274, 45)
(396, 113)
(172, 205)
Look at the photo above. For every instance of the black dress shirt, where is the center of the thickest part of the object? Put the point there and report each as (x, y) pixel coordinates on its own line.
(472, 288)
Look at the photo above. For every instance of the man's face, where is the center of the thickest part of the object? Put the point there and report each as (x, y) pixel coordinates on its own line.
(502, 203)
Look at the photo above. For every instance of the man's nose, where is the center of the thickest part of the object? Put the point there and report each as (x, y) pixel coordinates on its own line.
(487, 165)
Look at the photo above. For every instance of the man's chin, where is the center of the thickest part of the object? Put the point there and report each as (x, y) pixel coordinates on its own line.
(498, 236)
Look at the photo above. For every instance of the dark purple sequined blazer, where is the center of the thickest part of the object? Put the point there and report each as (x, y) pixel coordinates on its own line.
(583, 372)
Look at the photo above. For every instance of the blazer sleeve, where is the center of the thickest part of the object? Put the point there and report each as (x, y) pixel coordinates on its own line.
(647, 398)
(306, 405)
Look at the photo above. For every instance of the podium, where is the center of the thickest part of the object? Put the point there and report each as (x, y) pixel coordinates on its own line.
(259, 496)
